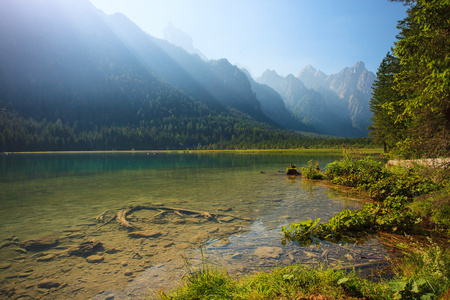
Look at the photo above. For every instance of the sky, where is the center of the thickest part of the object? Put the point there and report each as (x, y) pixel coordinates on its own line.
(280, 35)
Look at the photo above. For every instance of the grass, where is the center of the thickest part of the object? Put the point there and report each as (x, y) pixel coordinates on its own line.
(292, 282)
(423, 273)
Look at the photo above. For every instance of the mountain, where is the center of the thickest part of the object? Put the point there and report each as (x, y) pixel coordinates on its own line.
(72, 78)
(180, 38)
(212, 82)
(353, 86)
(274, 107)
(337, 104)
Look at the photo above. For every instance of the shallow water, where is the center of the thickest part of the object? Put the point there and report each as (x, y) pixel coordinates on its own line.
(62, 194)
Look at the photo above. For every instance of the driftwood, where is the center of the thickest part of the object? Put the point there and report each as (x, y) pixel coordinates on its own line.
(122, 214)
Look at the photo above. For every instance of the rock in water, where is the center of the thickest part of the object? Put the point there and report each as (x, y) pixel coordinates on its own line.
(224, 209)
(144, 234)
(94, 259)
(46, 257)
(268, 252)
(85, 248)
(41, 242)
(227, 219)
(5, 266)
(48, 283)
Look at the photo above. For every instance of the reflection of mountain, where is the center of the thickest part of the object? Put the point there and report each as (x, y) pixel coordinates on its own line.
(337, 104)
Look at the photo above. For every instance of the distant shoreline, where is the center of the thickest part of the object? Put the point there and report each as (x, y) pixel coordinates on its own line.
(249, 151)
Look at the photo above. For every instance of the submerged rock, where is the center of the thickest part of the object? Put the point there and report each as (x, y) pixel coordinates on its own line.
(94, 259)
(85, 248)
(5, 266)
(145, 234)
(227, 219)
(49, 283)
(46, 257)
(224, 209)
(268, 252)
(41, 242)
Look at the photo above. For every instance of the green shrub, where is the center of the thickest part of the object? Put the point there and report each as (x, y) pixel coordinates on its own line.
(311, 172)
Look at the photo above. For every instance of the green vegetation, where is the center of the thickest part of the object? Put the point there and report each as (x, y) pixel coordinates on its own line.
(187, 130)
(311, 172)
(293, 282)
(412, 200)
(411, 101)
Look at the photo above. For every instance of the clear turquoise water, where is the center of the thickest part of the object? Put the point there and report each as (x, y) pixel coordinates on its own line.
(60, 194)
(41, 192)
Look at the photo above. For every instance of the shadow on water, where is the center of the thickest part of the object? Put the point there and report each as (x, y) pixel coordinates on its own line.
(63, 195)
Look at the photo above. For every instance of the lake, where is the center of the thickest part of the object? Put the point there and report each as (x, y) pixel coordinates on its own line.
(74, 198)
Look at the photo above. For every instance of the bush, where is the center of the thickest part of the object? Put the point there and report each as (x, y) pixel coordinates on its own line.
(311, 172)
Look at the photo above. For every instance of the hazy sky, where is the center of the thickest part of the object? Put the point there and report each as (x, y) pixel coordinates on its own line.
(281, 35)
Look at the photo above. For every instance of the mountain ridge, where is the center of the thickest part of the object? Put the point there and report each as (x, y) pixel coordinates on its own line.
(343, 98)
(106, 84)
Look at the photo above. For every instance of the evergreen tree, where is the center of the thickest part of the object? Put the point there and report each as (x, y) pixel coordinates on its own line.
(415, 91)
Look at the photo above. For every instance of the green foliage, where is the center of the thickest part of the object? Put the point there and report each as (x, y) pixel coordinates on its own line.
(411, 102)
(153, 127)
(355, 172)
(311, 172)
(292, 282)
(394, 190)
(435, 209)
(424, 273)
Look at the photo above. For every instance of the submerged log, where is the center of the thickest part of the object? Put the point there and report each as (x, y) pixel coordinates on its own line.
(122, 214)
(122, 218)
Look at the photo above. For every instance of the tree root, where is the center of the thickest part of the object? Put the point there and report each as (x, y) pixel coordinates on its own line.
(122, 214)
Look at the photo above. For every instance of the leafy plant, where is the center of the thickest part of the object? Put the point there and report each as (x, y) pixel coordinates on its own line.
(311, 172)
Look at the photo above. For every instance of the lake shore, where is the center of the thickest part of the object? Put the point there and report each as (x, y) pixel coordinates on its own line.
(246, 151)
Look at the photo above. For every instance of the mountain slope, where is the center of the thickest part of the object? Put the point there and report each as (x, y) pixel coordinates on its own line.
(69, 81)
(274, 107)
(208, 81)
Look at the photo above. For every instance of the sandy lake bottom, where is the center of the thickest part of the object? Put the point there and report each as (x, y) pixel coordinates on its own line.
(73, 200)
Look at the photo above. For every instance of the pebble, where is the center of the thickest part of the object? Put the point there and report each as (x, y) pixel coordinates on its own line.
(46, 257)
(192, 220)
(48, 283)
(227, 219)
(213, 230)
(224, 209)
(94, 259)
(128, 272)
(5, 266)
(20, 250)
(169, 244)
(41, 242)
(198, 238)
(268, 252)
(145, 234)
